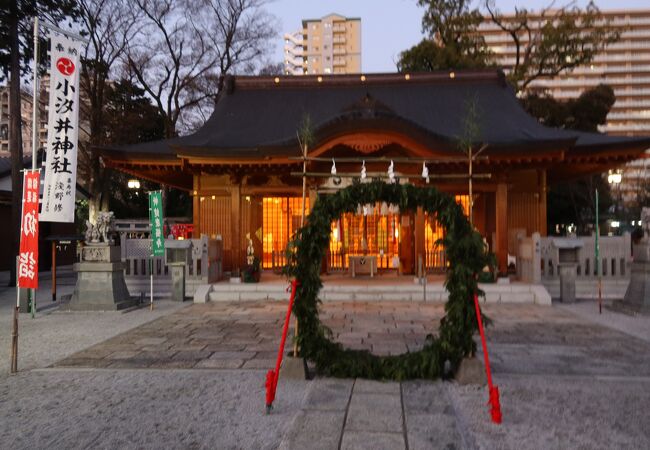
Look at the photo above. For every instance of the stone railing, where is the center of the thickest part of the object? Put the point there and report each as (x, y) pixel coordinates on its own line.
(615, 255)
(538, 262)
(538, 258)
(204, 265)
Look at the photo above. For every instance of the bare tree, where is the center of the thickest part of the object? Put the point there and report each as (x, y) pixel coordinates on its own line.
(553, 41)
(110, 26)
(186, 45)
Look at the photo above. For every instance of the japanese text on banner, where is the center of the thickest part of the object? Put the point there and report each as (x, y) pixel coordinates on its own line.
(156, 219)
(28, 255)
(62, 132)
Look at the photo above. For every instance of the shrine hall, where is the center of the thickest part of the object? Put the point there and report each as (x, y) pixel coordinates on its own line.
(245, 166)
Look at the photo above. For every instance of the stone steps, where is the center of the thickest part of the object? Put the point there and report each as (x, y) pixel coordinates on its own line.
(435, 292)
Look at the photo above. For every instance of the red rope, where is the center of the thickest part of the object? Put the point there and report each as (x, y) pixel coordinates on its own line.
(272, 376)
(494, 390)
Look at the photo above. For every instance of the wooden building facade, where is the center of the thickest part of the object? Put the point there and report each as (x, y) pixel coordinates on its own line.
(244, 166)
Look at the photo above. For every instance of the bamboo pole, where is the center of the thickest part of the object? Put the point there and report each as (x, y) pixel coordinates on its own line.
(382, 175)
(302, 224)
(396, 159)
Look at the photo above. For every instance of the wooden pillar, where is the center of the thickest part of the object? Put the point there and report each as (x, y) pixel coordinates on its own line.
(542, 226)
(196, 208)
(406, 244)
(501, 247)
(235, 199)
(256, 220)
(420, 251)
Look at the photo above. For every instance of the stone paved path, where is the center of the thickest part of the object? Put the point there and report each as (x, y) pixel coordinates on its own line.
(363, 414)
(246, 335)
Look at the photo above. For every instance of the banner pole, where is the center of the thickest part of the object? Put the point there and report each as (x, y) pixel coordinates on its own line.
(598, 269)
(151, 282)
(35, 111)
(14, 331)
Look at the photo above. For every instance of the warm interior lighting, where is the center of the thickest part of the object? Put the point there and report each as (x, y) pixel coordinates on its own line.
(133, 183)
(614, 177)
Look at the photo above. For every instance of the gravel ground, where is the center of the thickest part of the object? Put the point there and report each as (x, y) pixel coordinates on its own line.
(143, 409)
(53, 335)
(542, 412)
(568, 377)
(634, 325)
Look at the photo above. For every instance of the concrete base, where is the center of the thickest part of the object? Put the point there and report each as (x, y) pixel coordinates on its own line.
(471, 371)
(178, 281)
(637, 296)
(377, 291)
(293, 368)
(568, 275)
(100, 284)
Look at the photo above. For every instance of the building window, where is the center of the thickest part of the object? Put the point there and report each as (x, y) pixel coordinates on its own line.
(281, 219)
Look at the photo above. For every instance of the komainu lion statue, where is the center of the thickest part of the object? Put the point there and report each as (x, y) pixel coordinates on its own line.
(99, 232)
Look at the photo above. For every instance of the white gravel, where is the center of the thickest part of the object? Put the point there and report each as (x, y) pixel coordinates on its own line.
(541, 412)
(151, 409)
(635, 325)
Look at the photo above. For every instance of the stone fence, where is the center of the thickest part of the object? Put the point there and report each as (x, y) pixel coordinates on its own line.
(538, 259)
(204, 264)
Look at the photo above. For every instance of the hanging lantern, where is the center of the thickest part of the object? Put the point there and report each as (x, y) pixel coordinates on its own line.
(425, 172)
(383, 210)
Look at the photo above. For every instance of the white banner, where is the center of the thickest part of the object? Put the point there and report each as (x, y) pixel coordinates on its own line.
(62, 132)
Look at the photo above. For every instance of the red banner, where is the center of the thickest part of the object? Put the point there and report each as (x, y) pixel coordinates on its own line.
(28, 256)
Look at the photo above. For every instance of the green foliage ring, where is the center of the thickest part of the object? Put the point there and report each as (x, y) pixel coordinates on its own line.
(465, 252)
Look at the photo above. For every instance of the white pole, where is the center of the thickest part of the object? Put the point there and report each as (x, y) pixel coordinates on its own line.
(35, 103)
(35, 125)
(151, 282)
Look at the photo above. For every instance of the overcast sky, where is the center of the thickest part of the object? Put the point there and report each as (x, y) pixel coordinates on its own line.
(388, 26)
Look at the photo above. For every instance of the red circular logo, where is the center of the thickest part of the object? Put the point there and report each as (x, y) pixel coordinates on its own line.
(65, 66)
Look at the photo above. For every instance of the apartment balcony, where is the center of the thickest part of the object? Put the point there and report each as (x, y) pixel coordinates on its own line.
(338, 62)
(295, 38)
(338, 51)
(338, 28)
(339, 39)
(294, 51)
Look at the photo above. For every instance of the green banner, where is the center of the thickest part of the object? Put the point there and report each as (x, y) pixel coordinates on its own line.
(156, 220)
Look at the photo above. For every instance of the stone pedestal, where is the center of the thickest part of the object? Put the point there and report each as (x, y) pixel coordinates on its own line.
(568, 275)
(637, 296)
(100, 280)
(178, 281)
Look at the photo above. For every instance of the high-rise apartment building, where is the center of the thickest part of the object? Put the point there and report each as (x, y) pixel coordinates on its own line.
(324, 46)
(26, 117)
(624, 65)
